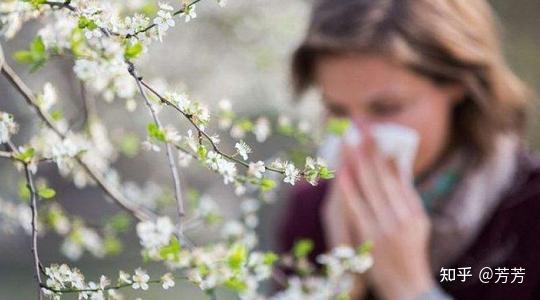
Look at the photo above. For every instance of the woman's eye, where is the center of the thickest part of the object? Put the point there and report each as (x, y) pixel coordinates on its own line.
(336, 111)
(385, 110)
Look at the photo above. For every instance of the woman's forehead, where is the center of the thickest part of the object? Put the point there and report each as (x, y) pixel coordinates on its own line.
(366, 77)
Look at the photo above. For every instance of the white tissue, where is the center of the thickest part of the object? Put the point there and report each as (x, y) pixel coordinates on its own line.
(393, 141)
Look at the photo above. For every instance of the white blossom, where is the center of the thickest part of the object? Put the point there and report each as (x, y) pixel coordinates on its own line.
(237, 132)
(104, 282)
(256, 169)
(184, 159)
(7, 126)
(189, 13)
(164, 20)
(222, 3)
(93, 33)
(243, 149)
(167, 281)
(262, 129)
(225, 105)
(140, 279)
(228, 170)
(156, 234)
(49, 96)
(292, 174)
(148, 145)
(124, 277)
(171, 134)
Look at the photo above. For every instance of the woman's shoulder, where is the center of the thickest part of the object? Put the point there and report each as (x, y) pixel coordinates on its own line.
(509, 239)
(525, 190)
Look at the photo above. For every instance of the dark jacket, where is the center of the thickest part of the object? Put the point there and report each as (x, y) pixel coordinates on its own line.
(511, 237)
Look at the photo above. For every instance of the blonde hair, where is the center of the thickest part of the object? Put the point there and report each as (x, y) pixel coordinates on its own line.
(448, 41)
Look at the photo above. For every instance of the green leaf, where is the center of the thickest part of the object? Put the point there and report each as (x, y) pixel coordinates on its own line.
(23, 57)
(365, 248)
(155, 132)
(36, 55)
(203, 270)
(120, 222)
(343, 296)
(133, 51)
(302, 248)
(267, 184)
(149, 9)
(245, 124)
(237, 256)
(325, 173)
(270, 258)
(171, 251)
(57, 115)
(129, 145)
(37, 47)
(78, 42)
(112, 245)
(202, 151)
(84, 22)
(24, 191)
(35, 3)
(337, 126)
(46, 192)
(26, 156)
(235, 284)
(193, 197)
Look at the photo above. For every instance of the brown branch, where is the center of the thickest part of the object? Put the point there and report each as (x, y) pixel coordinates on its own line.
(33, 206)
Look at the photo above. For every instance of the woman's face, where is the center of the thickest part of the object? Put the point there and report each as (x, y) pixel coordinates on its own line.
(372, 89)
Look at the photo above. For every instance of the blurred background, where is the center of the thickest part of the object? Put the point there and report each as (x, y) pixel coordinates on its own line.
(239, 53)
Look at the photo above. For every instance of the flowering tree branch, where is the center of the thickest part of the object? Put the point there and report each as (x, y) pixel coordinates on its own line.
(66, 4)
(169, 150)
(97, 289)
(102, 39)
(201, 132)
(184, 9)
(33, 208)
(116, 195)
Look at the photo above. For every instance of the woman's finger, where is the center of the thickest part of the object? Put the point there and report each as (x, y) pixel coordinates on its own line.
(362, 219)
(411, 197)
(337, 228)
(367, 180)
(389, 184)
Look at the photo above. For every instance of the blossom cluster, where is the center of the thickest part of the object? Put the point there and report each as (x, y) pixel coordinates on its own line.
(105, 39)
(7, 127)
(62, 279)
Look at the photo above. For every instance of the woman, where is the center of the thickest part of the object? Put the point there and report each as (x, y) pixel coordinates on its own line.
(436, 67)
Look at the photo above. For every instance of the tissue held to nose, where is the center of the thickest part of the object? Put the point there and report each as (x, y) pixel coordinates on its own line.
(394, 141)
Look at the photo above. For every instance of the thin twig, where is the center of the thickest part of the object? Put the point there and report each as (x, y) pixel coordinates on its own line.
(87, 107)
(60, 5)
(180, 11)
(114, 287)
(169, 150)
(6, 154)
(33, 206)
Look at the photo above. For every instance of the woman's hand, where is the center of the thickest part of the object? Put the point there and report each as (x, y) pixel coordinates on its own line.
(370, 201)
